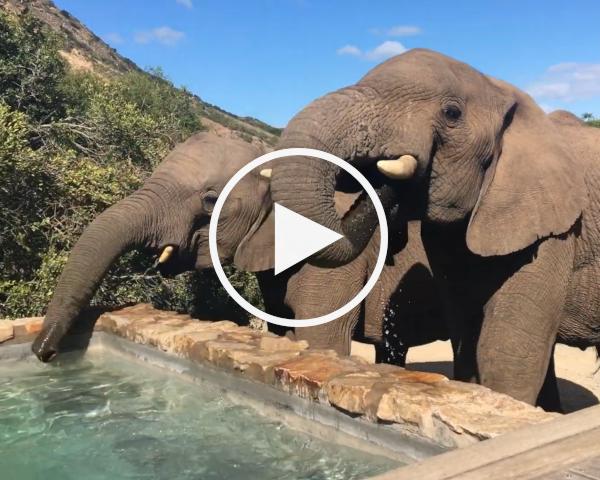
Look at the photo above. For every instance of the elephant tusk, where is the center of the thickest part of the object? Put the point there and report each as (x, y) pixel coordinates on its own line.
(166, 253)
(266, 172)
(399, 169)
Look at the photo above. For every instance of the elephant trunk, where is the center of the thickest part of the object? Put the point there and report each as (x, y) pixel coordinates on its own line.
(307, 185)
(112, 233)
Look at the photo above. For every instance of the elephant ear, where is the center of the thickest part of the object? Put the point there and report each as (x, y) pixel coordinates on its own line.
(534, 188)
(256, 251)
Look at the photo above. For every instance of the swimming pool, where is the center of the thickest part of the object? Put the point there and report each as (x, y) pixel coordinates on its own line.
(99, 417)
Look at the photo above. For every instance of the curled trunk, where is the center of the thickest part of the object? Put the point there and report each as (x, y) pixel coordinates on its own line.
(313, 198)
(112, 233)
(307, 185)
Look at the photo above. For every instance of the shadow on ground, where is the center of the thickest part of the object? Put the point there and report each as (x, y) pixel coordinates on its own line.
(445, 368)
(573, 396)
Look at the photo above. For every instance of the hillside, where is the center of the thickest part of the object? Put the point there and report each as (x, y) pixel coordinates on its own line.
(84, 50)
(76, 136)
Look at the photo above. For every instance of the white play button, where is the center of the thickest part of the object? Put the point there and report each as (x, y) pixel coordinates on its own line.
(297, 237)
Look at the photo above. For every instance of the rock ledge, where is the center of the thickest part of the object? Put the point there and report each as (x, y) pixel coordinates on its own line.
(450, 413)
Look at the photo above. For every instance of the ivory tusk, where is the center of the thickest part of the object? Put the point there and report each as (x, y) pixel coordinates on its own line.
(266, 172)
(399, 169)
(166, 253)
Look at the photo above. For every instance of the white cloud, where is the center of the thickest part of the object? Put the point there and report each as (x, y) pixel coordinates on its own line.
(568, 82)
(387, 49)
(163, 35)
(185, 3)
(404, 31)
(114, 38)
(398, 31)
(349, 50)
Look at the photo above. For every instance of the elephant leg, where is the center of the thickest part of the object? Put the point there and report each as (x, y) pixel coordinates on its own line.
(314, 291)
(549, 396)
(459, 305)
(335, 335)
(273, 290)
(521, 321)
(465, 333)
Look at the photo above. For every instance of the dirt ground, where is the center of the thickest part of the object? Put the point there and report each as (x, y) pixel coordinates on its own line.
(577, 371)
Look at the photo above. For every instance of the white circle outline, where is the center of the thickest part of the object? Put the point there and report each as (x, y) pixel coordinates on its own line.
(214, 253)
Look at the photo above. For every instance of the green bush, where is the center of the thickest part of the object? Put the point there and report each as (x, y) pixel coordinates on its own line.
(30, 68)
(71, 144)
(591, 120)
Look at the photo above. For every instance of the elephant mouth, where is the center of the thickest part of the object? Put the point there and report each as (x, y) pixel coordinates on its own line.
(385, 174)
(174, 262)
(193, 255)
(379, 170)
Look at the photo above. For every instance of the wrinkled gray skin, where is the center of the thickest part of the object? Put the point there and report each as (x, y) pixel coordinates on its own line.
(509, 199)
(173, 208)
(405, 302)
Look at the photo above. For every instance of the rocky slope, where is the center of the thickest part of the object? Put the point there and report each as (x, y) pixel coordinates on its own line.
(84, 50)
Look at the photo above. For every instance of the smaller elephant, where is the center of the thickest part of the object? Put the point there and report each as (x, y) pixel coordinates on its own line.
(169, 217)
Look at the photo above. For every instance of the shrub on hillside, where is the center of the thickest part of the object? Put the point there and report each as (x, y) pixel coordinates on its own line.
(71, 144)
(590, 120)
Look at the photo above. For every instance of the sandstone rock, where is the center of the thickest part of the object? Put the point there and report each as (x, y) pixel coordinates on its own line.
(252, 362)
(361, 392)
(135, 312)
(173, 322)
(183, 343)
(113, 322)
(243, 334)
(178, 339)
(150, 334)
(306, 375)
(144, 308)
(6, 330)
(404, 375)
(455, 414)
(27, 326)
(260, 366)
(220, 326)
(321, 351)
(217, 351)
(274, 344)
(352, 392)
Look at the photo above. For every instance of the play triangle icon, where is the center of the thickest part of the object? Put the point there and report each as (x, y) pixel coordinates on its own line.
(297, 237)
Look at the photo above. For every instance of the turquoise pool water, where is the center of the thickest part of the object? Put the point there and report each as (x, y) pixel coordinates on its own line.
(103, 417)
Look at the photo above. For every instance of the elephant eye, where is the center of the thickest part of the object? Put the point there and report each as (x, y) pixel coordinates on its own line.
(452, 112)
(208, 201)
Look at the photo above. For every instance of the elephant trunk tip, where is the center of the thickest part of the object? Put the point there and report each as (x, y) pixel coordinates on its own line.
(44, 347)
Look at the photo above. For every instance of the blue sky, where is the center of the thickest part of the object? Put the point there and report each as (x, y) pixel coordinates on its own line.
(269, 58)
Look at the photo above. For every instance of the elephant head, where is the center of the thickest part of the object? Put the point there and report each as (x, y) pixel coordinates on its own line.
(464, 145)
(169, 217)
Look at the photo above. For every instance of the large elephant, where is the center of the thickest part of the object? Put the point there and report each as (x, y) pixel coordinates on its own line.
(169, 217)
(509, 199)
